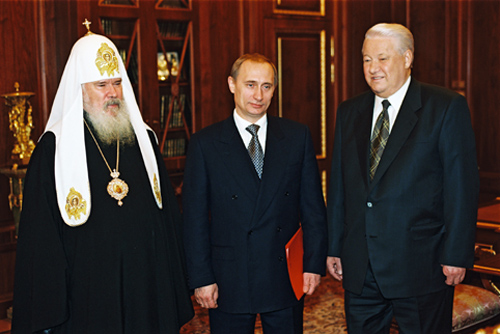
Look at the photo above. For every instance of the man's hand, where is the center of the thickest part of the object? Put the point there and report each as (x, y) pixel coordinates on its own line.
(334, 266)
(311, 282)
(454, 275)
(207, 296)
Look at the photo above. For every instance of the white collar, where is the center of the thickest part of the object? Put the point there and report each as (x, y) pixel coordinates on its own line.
(396, 99)
(242, 124)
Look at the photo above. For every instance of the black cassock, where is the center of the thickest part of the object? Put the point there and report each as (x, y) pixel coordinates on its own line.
(122, 271)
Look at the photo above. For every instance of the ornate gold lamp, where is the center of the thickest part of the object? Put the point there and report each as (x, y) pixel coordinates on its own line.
(21, 124)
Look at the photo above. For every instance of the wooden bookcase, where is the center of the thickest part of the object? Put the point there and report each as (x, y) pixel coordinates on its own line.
(162, 76)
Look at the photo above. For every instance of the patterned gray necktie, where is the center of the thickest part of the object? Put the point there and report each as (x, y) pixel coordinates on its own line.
(255, 150)
(379, 138)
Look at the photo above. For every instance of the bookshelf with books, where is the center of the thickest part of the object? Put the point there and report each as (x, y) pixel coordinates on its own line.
(174, 39)
(154, 38)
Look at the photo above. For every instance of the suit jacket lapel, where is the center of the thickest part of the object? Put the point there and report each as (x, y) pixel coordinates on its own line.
(363, 130)
(236, 158)
(405, 122)
(275, 162)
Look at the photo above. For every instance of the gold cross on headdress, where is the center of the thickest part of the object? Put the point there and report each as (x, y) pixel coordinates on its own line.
(87, 23)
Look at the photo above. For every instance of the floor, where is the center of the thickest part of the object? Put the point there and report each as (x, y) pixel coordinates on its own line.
(323, 314)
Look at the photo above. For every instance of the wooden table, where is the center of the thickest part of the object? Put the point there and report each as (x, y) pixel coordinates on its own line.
(490, 213)
(490, 265)
(488, 238)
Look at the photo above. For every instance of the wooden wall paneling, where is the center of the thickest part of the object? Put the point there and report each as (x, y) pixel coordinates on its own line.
(18, 55)
(147, 50)
(457, 41)
(18, 64)
(428, 24)
(300, 7)
(300, 49)
(338, 68)
(44, 12)
(219, 45)
(484, 84)
(56, 35)
(301, 94)
(342, 65)
(252, 24)
(400, 12)
(35, 39)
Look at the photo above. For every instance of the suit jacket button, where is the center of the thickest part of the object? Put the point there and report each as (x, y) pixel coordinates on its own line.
(234, 197)
(278, 229)
(287, 193)
(369, 204)
(281, 258)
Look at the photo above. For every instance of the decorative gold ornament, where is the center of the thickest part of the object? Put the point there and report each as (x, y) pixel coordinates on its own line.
(75, 204)
(106, 60)
(87, 24)
(21, 124)
(157, 189)
(117, 188)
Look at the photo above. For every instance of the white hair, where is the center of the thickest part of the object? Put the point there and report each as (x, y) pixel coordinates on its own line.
(403, 35)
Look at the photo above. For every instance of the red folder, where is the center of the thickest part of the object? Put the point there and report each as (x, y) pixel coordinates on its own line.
(294, 258)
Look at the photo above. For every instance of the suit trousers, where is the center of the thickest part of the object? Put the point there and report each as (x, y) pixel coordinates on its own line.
(371, 313)
(286, 321)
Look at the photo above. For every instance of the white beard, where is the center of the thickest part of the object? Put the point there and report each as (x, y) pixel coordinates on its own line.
(109, 128)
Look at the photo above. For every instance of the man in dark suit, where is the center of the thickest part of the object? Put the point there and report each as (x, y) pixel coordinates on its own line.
(241, 207)
(403, 195)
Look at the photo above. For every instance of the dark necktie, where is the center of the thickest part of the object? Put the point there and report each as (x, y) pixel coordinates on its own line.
(255, 150)
(379, 138)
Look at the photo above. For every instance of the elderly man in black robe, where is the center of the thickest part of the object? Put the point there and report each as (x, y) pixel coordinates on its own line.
(99, 248)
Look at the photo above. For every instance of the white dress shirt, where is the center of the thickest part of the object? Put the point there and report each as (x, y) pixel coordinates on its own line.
(396, 100)
(242, 124)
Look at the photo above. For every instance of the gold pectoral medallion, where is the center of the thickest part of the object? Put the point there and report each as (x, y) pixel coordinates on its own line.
(117, 188)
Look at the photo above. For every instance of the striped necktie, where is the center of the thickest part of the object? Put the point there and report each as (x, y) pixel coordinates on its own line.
(379, 138)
